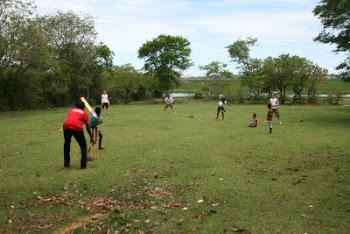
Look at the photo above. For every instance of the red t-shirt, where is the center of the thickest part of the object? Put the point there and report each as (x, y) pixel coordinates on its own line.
(76, 119)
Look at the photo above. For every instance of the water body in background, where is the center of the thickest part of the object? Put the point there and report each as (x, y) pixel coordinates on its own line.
(175, 95)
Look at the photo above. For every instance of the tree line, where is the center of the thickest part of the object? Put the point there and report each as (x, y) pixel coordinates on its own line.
(52, 60)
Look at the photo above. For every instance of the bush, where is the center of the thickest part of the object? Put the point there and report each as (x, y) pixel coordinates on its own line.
(198, 95)
(140, 94)
(299, 101)
(235, 92)
(183, 100)
(312, 100)
(333, 98)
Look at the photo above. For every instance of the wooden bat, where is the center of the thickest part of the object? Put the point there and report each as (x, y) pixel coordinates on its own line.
(87, 105)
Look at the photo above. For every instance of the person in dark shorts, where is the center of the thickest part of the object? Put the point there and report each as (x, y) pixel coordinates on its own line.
(169, 101)
(73, 126)
(105, 100)
(96, 121)
(221, 108)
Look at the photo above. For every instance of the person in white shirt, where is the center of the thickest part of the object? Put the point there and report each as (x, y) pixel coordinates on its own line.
(169, 101)
(105, 100)
(221, 108)
(274, 106)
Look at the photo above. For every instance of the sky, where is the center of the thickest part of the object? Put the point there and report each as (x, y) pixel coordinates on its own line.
(281, 27)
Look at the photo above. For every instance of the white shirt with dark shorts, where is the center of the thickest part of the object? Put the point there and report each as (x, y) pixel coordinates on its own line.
(168, 101)
(105, 101)
(221, 107)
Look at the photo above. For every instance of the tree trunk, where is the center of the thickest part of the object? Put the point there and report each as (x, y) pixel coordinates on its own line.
(311, 94)
(126, 97)
(282, 97)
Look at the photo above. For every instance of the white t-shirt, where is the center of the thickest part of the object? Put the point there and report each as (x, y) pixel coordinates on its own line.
(169, 100)
(104, 98)
(220, 104)
(274, 103)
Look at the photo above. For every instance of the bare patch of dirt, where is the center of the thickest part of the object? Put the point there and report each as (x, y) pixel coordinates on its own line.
(81, 222)
(39, 223)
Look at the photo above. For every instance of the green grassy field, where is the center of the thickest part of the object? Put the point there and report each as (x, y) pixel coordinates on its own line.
(167, 173)
(334, 86)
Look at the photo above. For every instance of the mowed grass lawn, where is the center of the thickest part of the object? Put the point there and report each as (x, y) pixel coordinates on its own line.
(183, 173)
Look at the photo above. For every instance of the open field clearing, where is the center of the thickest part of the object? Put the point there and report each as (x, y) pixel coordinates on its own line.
(180, 173)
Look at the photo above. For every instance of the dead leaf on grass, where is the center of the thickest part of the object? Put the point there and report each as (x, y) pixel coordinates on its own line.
(60, 199)
(101, 204)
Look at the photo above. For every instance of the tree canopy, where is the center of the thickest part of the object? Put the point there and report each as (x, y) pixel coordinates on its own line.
(165, 57)
(217, 71)
(48, 60)
(239, 51)
(335, 18)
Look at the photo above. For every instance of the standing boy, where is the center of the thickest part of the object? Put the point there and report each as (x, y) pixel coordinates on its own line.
(73, 126)
(93, 125)
(269, 117)
(169, 101)
(221, 108)
(105, 101)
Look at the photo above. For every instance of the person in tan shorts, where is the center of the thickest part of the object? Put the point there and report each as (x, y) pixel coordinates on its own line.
(274, 106)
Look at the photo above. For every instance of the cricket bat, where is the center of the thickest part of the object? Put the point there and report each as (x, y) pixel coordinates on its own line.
(87, 105)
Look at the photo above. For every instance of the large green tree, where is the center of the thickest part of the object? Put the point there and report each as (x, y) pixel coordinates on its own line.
(301, 72)
(100, 68)
(127, 79)
(239, 51)
(24, 55)
(293, 73)
(279, 74)
(48, 60)
(317, 75)
(250, 68)
(165, 58)
(216, 71)
(335, 17)
(253, 76)
(71, 38)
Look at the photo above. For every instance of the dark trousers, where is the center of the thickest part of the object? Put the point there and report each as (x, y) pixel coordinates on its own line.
(79, 136)
(99, 139)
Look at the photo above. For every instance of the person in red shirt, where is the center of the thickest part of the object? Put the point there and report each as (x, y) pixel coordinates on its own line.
(73, 126)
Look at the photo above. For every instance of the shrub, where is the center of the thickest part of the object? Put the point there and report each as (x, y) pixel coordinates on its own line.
(235, 92)
(198, 95)
(333, 98)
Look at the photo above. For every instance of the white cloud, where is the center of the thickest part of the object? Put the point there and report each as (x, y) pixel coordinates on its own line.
(53, 6)
(281, 26)
(278, 27)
